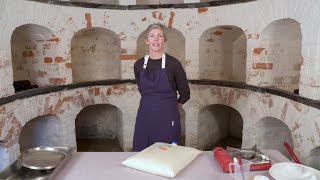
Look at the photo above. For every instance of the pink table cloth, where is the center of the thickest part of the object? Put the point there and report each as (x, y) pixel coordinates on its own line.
(107, 165)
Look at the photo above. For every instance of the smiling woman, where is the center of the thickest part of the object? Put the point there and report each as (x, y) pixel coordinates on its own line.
(158, 118)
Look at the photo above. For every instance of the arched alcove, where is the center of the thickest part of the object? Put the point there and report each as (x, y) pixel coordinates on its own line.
(280, 55)
(95, 55)
(33, 50)
(175, 45)
(313, 160)
(41, 131)
(219, 125)
(271, 133)
(222, 54)
(97, 128)
(153, 2)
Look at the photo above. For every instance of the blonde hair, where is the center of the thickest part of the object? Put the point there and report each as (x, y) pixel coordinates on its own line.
(156, 26)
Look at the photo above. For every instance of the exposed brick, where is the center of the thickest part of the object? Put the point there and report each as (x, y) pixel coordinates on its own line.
(128, 57)
(8, 136)
(48, 60)
(123, 51)
(88, 19)
(202, 10)
(120, 87)
(144, 19)
(284, 111)
(172, 14)
(258, 50)
(46, 46)
(263, 66)
(109, 91)
(295, 126)
(96, 91)
(160, 17)
(41, 73)
(57, 81)
(68, 65)
(54, 40)
(58, 59)
(57, 106)
(27, 54)
(154, 14)
(2, 110)
(68, 98)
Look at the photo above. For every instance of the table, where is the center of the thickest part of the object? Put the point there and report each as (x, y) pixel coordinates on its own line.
(107, 165)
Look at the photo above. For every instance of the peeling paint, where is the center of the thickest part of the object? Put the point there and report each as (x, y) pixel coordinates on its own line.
(144, 19)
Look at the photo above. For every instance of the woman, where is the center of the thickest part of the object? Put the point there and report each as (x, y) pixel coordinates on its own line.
(159, 76)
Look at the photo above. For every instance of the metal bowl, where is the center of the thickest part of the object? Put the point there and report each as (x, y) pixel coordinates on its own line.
(41, 158)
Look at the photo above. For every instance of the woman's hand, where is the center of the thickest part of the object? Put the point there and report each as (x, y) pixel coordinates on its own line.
(179, 105)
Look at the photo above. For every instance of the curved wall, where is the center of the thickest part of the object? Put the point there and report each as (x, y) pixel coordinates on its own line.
(251, 18)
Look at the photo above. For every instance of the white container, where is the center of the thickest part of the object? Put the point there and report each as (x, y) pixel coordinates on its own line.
(293, 171)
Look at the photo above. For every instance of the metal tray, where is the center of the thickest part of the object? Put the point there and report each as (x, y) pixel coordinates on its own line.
(18, 171)
(41, 158)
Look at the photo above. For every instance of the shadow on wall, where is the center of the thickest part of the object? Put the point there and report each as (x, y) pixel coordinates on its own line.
(97, 128)
(223, 54)
(95, 55)
(41, 131)
(271, 133)
(219, 125)
(313, 160)
(278, 56)
(34, 55)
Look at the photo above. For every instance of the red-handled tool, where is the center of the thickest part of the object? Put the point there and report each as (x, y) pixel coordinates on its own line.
(294, 157)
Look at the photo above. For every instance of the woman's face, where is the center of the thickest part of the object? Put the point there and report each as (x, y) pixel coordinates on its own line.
(155, 40)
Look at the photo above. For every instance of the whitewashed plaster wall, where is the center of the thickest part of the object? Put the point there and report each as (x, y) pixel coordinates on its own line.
(251, 17)
(303, 121)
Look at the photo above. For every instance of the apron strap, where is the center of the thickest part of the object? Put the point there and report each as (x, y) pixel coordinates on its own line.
(146, 59)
